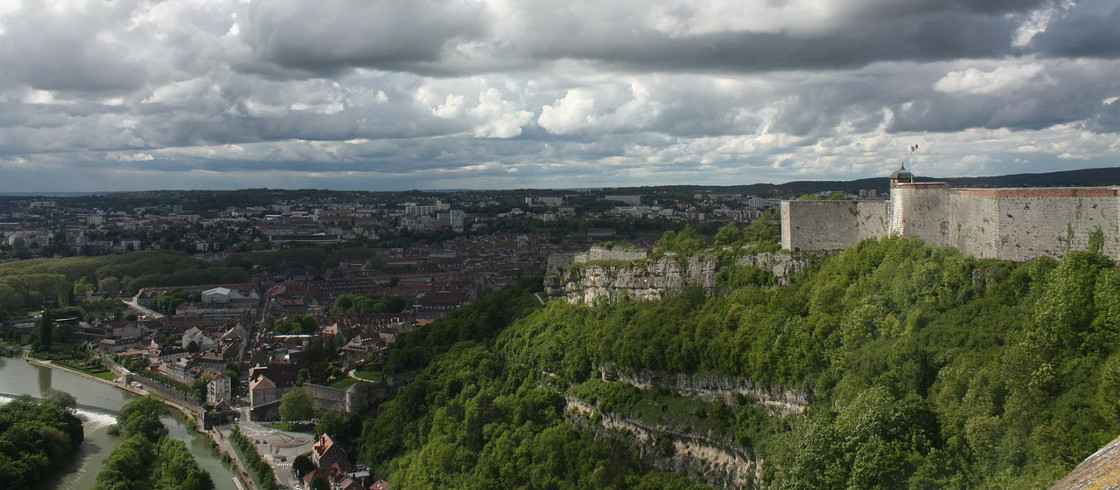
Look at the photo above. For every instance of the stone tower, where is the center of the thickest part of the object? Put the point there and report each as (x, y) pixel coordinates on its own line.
(918, 209)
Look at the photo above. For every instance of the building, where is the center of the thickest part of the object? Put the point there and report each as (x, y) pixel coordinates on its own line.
(218, 389)
(267, 385)
(224, 296)
(326, 452)
(1003, 223)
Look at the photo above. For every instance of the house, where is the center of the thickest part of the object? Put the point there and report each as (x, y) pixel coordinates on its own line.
(219, 389)
(326, 452)
(196, 335)
(337, 476)
(114, 346)
(178, 370)
(167, 354)
(267, 384)
(264, 399)
(129, 330)
(356, 351)
(236, 332)
(212, 360)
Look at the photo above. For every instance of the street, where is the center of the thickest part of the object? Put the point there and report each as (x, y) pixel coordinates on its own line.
(278, 448)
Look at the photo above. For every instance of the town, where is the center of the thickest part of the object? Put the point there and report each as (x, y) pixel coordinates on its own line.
(320, 284)
(303, 331)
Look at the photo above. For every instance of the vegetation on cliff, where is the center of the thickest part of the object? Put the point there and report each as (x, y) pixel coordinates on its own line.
(922, 368)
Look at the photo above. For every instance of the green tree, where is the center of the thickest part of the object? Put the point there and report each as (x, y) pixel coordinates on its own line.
(729, 234)
(341, 426)
(109, 286)
(198, 390)
(234, 376)
(765, 229)
(148, 458)
(142, 417)
(684, 242)
(60, 399)
(296, 405)
(302, 465)
(82, 287)
(62, 291)
(62, 332)
(46, 330)
(36, 439)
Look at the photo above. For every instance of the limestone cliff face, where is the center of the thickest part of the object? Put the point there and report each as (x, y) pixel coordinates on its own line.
(647, 280)
(782, 264)
(589, 283)
(715, 462)
(780, 401)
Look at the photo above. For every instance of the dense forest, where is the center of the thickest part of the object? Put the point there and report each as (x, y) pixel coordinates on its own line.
(148, 458)
(37, 438)
(918, 366)
(31, 284)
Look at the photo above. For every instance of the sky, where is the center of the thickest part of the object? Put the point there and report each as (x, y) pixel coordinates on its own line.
(108, 95)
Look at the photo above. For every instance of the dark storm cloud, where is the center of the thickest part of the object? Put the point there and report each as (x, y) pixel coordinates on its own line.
(939, 36)
(292, 38)
(48, 51)
(327, 37)
(1107, 119)
(478, 93)
(1092, 28)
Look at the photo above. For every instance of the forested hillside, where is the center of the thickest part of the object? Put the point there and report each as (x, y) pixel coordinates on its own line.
(915, 367)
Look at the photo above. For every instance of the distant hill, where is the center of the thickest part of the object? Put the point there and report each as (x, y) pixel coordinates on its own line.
(259, 197)
(1085, 177)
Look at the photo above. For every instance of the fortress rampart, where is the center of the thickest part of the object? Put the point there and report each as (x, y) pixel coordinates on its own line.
(1010, 223)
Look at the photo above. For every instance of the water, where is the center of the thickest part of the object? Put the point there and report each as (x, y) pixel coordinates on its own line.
(98, 407)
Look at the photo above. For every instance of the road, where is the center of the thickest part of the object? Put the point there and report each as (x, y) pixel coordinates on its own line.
(143, 310)
(278, 448)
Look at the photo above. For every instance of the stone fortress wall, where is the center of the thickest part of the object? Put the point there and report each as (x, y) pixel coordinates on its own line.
(832, 225)
(1010, 223)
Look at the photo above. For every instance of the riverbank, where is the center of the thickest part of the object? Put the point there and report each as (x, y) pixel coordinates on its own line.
(51, 365)
(223, 449)
(187, 412)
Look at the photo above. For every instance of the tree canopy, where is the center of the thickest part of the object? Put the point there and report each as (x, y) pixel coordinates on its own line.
(919, 367)
(148, 458)
(37, 438)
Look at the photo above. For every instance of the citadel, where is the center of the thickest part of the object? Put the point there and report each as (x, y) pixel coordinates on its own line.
(1004, 223)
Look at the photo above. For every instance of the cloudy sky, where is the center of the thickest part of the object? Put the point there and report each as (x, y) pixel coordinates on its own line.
(495, 94)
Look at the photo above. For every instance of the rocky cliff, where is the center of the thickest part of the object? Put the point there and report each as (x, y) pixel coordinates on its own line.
(780, 402)
(652, 279)
(717, 463)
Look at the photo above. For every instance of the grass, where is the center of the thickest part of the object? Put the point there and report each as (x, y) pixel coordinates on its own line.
(371, 376)
(343, 383)
(84, 367)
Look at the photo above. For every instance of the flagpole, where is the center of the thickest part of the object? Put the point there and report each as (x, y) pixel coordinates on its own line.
(913, 148)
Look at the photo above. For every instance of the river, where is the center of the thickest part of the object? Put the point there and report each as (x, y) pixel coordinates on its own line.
(99, 404)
